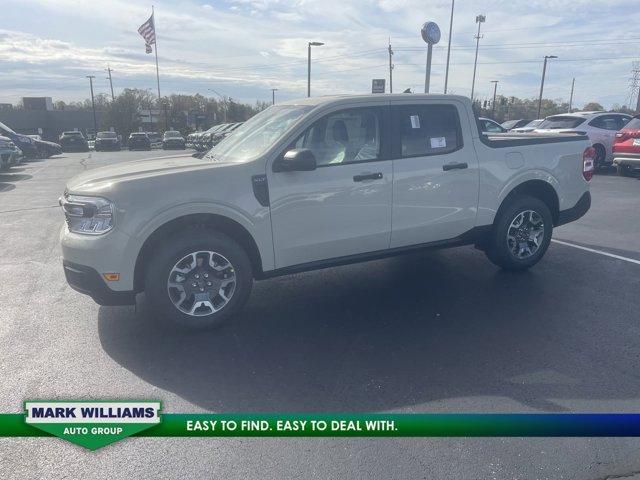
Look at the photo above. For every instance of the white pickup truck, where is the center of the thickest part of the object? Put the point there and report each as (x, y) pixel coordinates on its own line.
(314, 183)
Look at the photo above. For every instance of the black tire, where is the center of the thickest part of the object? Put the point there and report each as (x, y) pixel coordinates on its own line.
(601, 157)
(498, 250)
(625, 171)
(178, 246)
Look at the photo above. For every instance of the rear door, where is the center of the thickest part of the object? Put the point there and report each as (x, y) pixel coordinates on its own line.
(435, 187)
(343, 207)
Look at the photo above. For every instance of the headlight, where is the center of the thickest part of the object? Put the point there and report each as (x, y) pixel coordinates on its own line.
(88, 215)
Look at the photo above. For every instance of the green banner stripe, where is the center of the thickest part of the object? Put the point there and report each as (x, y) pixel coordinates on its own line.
(369, 425)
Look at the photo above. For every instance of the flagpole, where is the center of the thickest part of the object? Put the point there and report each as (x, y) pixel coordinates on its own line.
(157, 68)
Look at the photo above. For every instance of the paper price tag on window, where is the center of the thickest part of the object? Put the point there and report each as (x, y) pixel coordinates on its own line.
(438, 142)
(415, 121)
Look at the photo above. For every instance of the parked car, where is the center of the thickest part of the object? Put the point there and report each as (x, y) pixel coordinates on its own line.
(73, 141)
(626, 148)
(513, 124)
(139, 141)
(107, 141)
(172, 140)
(10, 155)
(600, 127)
(191, 139)
(529, 127)
(313, 183)
(156, 139)
(30, 147)
(490, 126)
(203, 140)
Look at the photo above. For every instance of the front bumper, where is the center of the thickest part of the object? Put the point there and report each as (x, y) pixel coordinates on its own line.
(574, 213)
(86, 280)
(631, 159)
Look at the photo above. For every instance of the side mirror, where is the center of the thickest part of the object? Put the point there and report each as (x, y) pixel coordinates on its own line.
(297, 160)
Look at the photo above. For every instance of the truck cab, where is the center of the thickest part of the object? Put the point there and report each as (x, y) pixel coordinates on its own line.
(313, 183)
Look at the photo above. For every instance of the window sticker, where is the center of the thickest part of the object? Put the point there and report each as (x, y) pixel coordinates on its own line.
(438, 142)
(415, 121)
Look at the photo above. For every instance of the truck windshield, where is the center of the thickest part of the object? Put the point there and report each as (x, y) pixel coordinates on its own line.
(554, 123)
(256, 135)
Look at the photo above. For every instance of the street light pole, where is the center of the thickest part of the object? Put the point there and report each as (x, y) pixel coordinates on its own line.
(480, 19)
(446, 74)
(109, 70)
(273, 96)
(390, 67)
(573, 83)
(544, 72)
(493, 103)
(224, 104)
(311, 44)
(93, 104)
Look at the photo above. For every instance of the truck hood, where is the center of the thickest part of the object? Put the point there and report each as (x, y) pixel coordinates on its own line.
(105, 178)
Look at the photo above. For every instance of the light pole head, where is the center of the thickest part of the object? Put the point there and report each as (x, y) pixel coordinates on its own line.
(481, 18)
(494, 81)
(550, 56)
(316, 44)
(430, 33)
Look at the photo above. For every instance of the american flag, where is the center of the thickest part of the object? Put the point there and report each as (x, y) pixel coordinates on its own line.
(148, 32)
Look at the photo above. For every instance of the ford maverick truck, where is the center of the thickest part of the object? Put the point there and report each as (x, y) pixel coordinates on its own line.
(315, 183)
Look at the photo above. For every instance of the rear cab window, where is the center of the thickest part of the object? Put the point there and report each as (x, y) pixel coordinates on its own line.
(425, 129)
(561, 122)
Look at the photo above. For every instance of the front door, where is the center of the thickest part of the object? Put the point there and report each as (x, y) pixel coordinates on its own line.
(343, 207)
(436, 181)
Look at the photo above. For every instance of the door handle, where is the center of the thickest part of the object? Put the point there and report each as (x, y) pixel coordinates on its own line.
(367, 176)
(454, 166)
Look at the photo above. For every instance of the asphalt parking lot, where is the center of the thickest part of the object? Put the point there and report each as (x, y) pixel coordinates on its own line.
(443, 331)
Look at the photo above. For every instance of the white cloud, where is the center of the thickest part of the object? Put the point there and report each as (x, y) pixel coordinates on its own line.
(248, 46)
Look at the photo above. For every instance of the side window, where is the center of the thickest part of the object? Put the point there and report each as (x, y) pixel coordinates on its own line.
(426, 130)
(606, 122)
(622, 121)
(346, 136)
(490, 127)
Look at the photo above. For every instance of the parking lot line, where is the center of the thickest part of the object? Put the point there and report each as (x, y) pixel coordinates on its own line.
(606, 254)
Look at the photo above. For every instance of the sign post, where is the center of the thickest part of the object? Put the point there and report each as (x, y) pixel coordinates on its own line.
(431, 35)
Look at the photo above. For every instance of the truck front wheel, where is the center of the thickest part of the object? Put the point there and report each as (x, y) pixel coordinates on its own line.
(198, 278)
(521, 234)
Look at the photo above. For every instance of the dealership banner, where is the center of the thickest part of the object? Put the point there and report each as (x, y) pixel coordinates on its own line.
(96, 424)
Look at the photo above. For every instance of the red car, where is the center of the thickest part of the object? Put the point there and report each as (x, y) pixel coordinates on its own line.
(626, 147)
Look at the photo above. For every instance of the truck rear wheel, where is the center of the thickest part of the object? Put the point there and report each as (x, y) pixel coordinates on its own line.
(521, 235)
(198, 278)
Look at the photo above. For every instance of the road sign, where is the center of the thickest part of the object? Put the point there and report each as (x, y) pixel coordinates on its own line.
(377, 85)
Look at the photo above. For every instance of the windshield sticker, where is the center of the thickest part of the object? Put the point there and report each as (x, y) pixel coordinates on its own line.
(415, 121)
(438, 142)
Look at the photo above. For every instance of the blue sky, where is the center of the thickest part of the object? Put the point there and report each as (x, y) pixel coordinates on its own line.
(243, 48)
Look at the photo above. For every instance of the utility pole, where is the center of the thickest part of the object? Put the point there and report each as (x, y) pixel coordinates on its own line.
(493, 103)
(544, 72)
(390, 67)
(573, 82)
(273, 96)
(113, 97)
(311, 44)
(480, 19)
(93, 104)
(446, 74)
(634, 83)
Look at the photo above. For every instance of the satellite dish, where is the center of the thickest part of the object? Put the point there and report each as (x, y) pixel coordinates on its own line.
(430, 32)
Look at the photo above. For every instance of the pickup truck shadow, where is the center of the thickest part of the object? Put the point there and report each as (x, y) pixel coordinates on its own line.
(391, 334)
